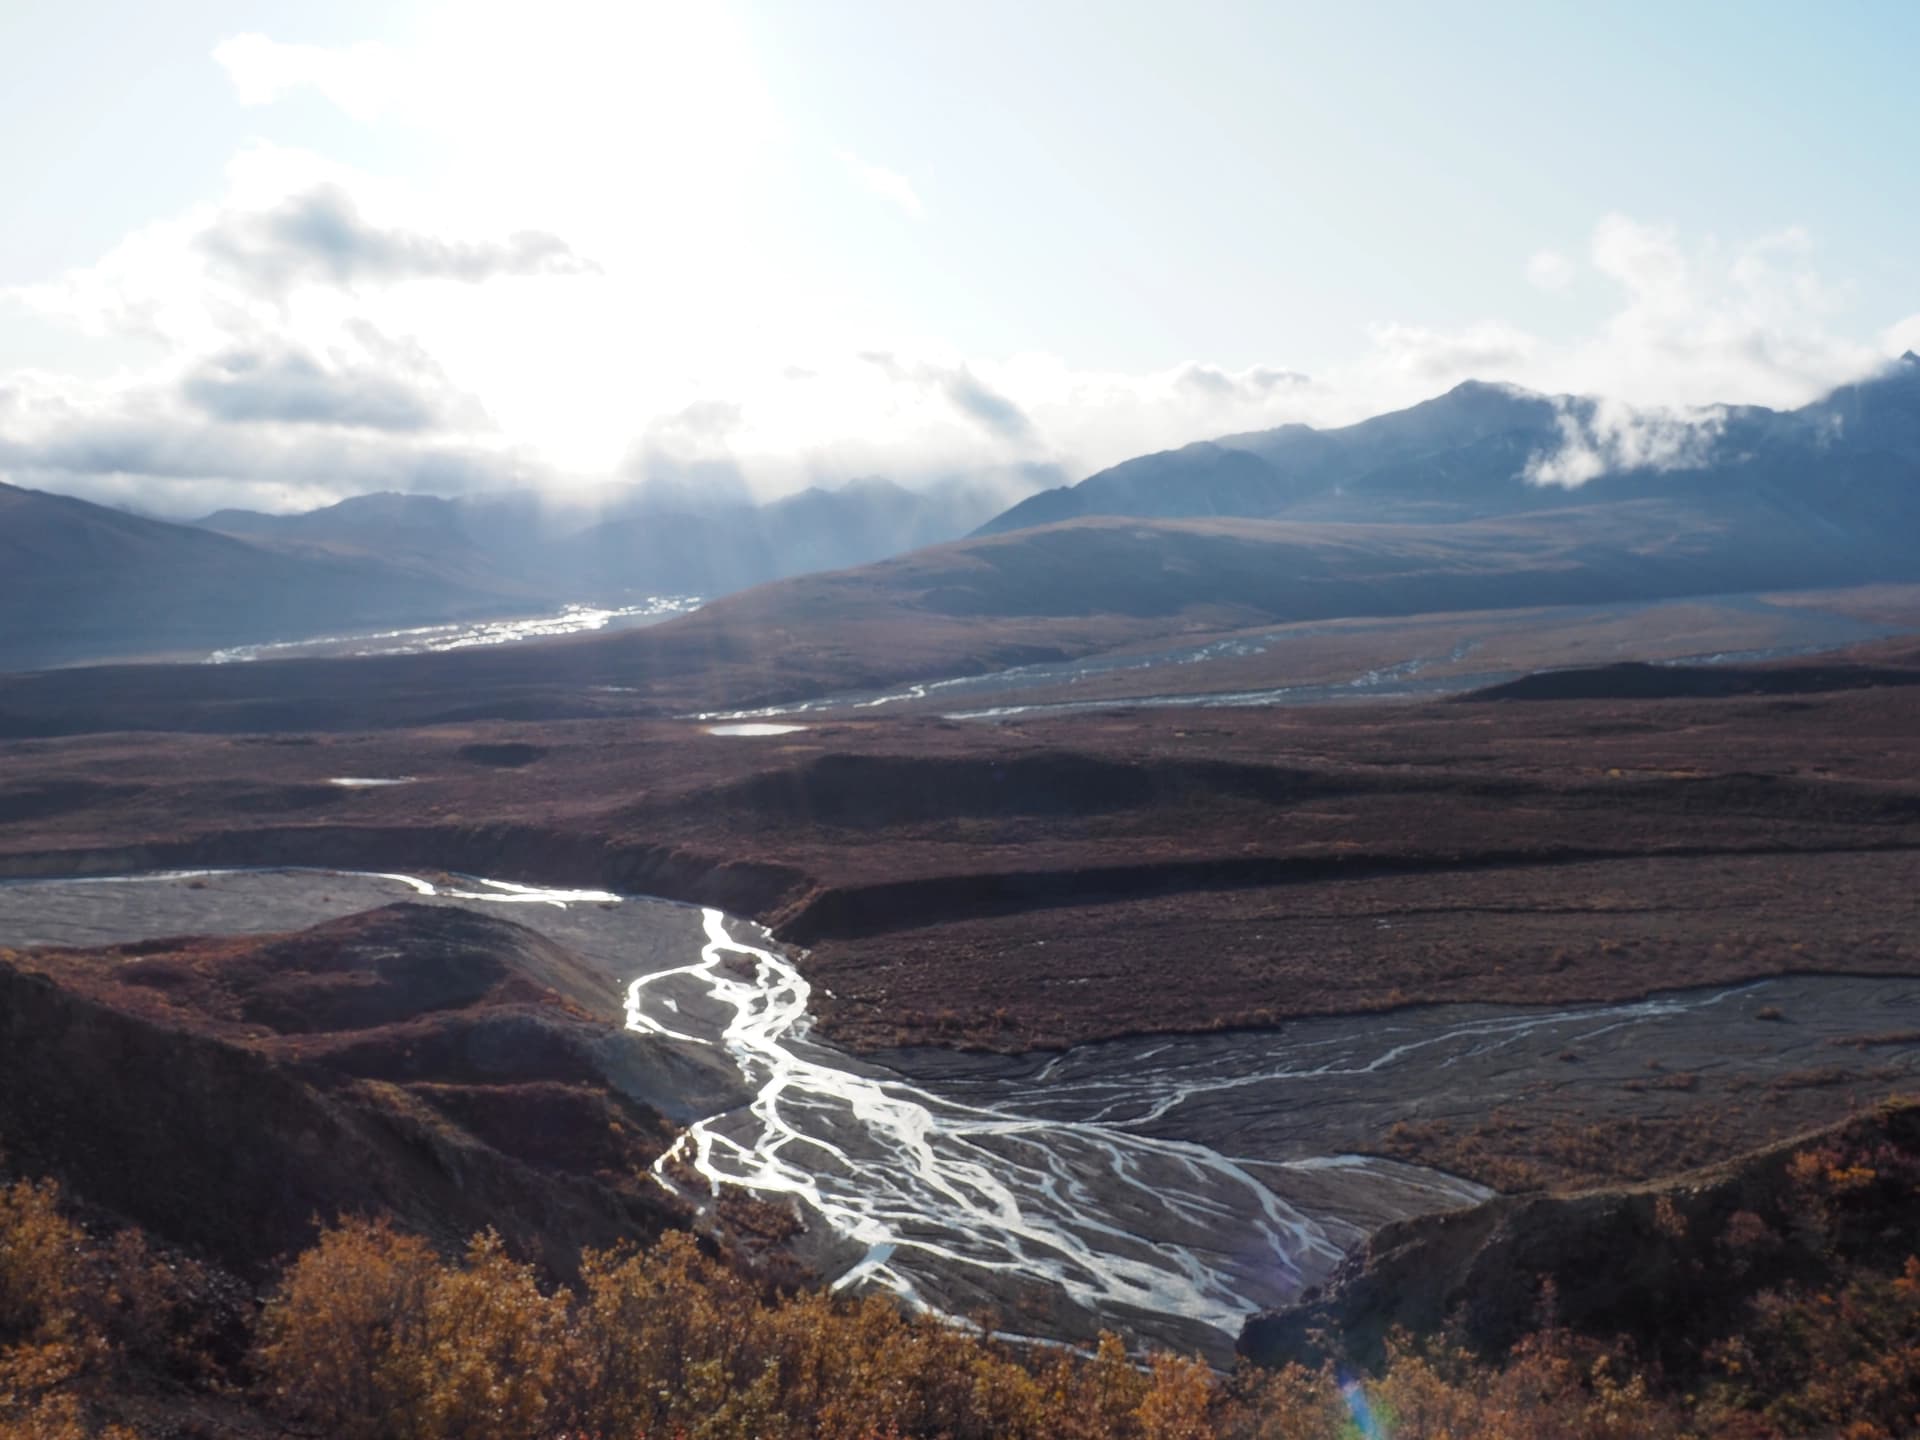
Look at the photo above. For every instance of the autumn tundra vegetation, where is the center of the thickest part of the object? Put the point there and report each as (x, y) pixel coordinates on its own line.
(370, 1332)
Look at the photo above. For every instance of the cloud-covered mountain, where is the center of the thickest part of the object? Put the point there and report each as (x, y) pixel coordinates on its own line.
(673, 535)
(1481, 450)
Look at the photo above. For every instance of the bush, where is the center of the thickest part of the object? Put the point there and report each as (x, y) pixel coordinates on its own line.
(50, 1339)
(337, 1342)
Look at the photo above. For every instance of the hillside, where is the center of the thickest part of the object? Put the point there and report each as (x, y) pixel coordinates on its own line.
(81, 581)
(1677, 1265)
(428, 1063)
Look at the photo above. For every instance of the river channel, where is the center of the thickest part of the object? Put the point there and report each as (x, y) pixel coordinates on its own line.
(1167, 1187)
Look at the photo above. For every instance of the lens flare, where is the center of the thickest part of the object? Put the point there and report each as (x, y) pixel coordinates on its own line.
(1365, 1423)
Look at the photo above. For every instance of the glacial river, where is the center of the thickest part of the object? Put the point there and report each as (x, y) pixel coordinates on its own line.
(1427, 666)
(1168, 1187)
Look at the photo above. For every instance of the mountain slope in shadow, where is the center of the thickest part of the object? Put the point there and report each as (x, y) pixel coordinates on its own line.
(82, 581)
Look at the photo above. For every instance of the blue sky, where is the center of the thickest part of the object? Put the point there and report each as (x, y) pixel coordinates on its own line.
(272, 254)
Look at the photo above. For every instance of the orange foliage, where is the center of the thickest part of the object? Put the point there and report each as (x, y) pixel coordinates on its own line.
(372, 1333)
(50, 1338)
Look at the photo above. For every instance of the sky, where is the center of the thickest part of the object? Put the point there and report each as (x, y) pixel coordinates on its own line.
(273, 254)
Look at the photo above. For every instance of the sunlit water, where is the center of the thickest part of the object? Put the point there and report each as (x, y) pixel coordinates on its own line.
(463, 635)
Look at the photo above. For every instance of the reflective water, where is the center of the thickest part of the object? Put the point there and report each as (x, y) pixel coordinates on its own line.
(462, 635)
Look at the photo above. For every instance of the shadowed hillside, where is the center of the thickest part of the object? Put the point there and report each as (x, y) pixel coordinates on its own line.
(429, 1063)
(81, 581)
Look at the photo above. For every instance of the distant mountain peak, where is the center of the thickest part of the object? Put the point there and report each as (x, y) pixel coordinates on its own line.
(1910, 358)
(871, 485)
(1506, 389)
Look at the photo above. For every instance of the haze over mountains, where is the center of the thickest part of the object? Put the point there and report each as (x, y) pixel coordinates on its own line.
(1484, 497)
(82, 581)
(85, 582)
(697, 534)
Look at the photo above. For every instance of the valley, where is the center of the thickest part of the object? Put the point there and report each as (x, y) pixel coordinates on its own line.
(1175, 971)
(1167, 1187)
(1162, 913)
(849, 722)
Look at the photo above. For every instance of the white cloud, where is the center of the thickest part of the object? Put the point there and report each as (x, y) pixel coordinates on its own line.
(1489, 350)
(1706, 323)
(159, 448)
(890, 185)
(1610, 436)
(585, 288)
(1550, 270)
(363, 80)
(1256, 382)
(1694, 324)
(1903, 337)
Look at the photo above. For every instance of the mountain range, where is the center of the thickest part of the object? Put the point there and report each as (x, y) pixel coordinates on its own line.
(1482, 450)
(83, 582)
(665, 537)
(1484, 497)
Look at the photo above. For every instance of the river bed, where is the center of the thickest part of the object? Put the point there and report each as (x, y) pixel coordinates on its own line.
(1163, 1186)
(1412, 658)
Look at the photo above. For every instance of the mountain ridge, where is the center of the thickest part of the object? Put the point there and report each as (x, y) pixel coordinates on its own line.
(1495, 444)
(662, 537)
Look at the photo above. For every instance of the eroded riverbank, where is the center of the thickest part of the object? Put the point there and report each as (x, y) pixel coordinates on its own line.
(1167, 1187)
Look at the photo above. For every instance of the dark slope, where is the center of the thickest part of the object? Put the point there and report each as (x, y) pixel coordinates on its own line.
(81, 581)
(1251, 570)
(1673, 1265)
(1632, 680)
